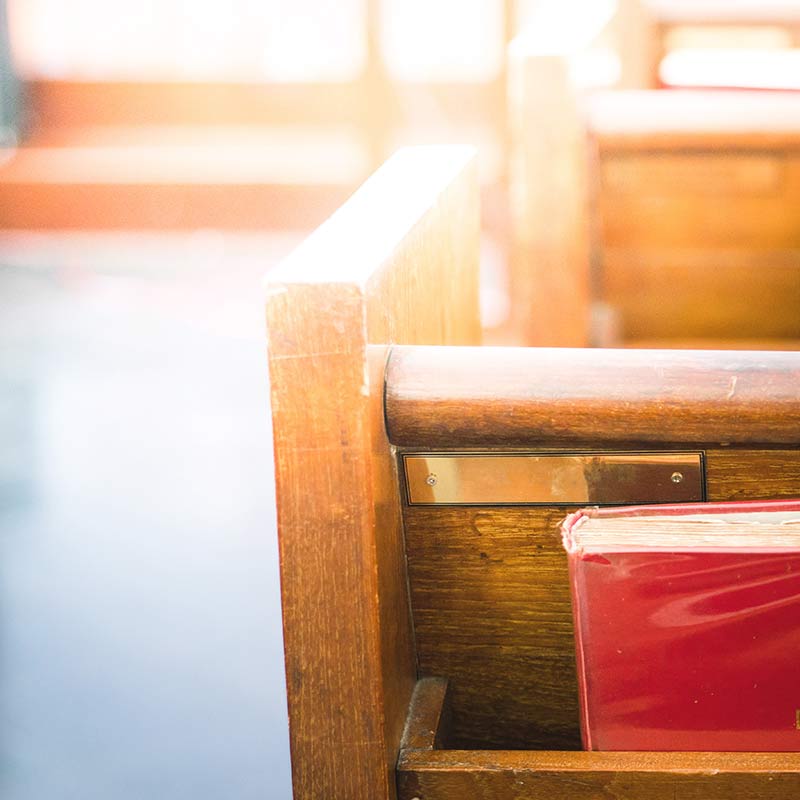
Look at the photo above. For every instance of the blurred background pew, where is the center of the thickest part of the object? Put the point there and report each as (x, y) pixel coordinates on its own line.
(663, 218)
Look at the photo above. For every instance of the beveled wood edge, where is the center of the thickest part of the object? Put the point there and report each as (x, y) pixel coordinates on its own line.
(631, 762)
(426, 716)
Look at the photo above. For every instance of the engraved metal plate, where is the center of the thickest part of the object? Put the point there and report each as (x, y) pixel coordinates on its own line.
(555, 479)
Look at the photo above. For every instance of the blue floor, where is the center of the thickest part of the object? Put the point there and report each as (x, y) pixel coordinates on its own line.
(140, 637)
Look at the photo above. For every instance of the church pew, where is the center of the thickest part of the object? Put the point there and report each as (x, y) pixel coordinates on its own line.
(641, 30)
(781, 19)
(429, 647)
(697, 231)
(178, 177)
(688, 201)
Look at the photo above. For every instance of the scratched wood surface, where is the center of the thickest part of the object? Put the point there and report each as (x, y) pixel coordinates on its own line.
(425, 770)
(398, 263)
(491, 605)
(447, 397)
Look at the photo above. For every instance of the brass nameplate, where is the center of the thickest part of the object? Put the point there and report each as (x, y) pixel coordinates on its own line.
(555, 479)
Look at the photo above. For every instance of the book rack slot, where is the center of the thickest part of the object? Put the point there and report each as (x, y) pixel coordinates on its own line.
(489, 588)
(428, 771)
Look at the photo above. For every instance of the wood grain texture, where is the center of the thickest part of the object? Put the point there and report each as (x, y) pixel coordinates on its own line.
(508, 775)
(734, 474)
(425, 770)
(375, 273)
(426, 714)
(491, 605)
(549, 199)
(448, 397)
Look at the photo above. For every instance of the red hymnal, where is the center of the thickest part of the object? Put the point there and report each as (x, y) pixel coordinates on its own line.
(687, 625)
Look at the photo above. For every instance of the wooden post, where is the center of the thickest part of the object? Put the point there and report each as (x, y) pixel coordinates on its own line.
(397, 263)
(639, 41)
(549, 200)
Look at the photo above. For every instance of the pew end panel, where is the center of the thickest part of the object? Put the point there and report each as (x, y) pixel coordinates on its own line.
(397, 263)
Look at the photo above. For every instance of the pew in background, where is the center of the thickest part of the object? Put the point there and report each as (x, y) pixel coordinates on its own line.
(645, 32)
(768, 26)
(688, 201)
(429, 644)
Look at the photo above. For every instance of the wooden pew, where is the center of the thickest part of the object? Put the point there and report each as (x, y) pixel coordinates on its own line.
(429, 646)
(696, 207)
(782, 18)
(689, 203)
(641, 30)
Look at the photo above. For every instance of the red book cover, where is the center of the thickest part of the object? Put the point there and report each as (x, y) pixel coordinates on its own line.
(687, 625)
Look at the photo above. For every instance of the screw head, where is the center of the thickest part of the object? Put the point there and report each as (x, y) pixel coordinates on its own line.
(431, 480)
(677, 477)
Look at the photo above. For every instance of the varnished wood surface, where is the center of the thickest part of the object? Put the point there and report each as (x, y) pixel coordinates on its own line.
(448, 397)
(491, 605)
(426, 714)
(509, 775)
(425, 770)
(379, 271)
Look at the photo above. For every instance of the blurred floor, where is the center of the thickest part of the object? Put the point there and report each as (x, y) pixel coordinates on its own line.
(140, 630)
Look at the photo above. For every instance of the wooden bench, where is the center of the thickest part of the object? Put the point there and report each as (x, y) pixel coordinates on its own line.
(429, 646)
(642, 30)
(688, 202)
(779, 19)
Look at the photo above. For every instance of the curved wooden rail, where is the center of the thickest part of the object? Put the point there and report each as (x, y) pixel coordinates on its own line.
(443, 397)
